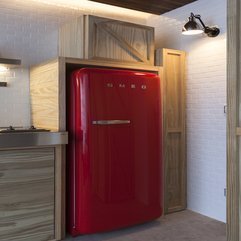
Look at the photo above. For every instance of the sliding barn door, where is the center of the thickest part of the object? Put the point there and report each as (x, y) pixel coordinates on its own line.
(233, 121)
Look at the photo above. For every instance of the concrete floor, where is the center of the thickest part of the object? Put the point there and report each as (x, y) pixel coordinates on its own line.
(181, 226)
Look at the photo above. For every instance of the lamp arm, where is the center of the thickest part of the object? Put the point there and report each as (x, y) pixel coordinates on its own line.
(199, 18)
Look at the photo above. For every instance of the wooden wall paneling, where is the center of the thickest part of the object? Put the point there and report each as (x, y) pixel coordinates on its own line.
(233, 121)
(27, 195)
(174, 137)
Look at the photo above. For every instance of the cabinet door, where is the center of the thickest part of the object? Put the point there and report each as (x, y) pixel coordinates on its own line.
(174, 142)
(96, 38)
(117, 40)
(27, 195)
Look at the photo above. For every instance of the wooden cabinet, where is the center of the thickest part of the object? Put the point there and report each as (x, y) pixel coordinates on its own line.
(174, 137)
(27, 194)
(91, 37)
(47, 95)
(29, 209)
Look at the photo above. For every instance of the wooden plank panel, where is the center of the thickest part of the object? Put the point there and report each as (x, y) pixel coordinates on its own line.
(71, 39)
(174, 91)
(44, 95)
(60, 179)
(174, 137)
(175, 173)
(111, 64)
(62, 94)
(153, 6)
(102, 38)
(233, 103)
(27, 195)
(120, 40)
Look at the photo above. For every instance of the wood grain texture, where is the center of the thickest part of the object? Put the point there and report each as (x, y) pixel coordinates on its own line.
(153, 6)
(112, 39)
(91, 37)
(60, 178)
(174, 137)
(238, 131)
(161, 76)
(71, 39)
(44, 95)
(62, 94)
(233, 121)
(27, 195)
(111, 64)
(120, 41)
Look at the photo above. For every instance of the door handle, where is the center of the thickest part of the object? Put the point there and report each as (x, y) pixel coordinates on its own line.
(110, 122)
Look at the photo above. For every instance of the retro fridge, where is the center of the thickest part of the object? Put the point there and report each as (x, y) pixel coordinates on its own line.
(114, 151)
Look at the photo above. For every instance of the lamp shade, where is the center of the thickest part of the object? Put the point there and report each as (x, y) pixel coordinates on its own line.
(192, 27)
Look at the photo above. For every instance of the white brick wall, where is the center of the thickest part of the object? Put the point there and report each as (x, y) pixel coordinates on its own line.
(206, 97)
(14, 99)
(29, 31)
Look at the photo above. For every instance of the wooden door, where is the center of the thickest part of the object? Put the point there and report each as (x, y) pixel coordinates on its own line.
(27, 195)
(233, 121)
(174, 137)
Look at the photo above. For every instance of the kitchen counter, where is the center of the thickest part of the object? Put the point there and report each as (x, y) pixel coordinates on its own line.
(32, 139)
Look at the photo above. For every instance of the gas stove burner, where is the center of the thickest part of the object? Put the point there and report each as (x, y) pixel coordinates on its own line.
(12, 129)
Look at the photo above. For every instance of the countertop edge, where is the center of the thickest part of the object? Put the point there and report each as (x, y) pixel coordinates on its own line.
(32, 139)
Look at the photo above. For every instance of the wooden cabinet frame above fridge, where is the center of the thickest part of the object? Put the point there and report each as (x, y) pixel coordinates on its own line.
(48, 99)
(48, 89)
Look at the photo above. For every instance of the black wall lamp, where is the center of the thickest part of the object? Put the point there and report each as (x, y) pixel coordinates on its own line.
(193, 28)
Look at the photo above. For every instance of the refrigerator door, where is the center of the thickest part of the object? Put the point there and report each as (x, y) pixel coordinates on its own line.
(114, 155)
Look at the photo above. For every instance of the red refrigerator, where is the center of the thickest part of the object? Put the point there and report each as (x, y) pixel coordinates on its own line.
(114, 151)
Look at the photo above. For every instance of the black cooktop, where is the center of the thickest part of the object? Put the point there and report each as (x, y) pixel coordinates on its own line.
(11, 129)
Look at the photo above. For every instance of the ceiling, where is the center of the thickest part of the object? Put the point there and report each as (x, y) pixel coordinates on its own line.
(150, 6)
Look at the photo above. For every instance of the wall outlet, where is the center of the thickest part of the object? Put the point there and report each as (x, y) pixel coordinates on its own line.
(225, 192)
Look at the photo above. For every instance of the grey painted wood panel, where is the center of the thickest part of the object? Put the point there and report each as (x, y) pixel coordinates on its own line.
(27, 195)
(233, 117)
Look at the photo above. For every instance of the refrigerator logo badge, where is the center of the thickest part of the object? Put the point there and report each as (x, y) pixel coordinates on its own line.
(143, 87)
(109, 85)
(122, 85)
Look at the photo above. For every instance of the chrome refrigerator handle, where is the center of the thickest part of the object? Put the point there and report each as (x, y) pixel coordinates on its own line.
(110, 122)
